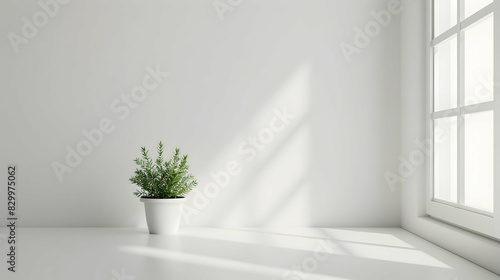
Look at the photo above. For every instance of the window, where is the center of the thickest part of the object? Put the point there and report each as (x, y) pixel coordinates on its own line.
(463, 117)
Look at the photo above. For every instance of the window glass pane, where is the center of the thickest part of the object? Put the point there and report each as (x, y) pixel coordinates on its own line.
(445, 159)
(472, 6)
(445, 75)
(478, 50)
(445, 15)
(479, 160)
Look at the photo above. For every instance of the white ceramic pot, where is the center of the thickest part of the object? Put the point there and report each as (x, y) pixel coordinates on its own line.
(163, 215)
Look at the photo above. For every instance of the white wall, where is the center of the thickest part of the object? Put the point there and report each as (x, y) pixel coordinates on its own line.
(480, 250)
(325, 168)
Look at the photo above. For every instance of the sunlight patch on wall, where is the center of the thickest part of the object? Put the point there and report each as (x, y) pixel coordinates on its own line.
(262, 155)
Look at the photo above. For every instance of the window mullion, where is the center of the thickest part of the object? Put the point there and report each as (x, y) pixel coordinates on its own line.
(461, 10)
(445, 113)
(445, 36)
(461, 160)
(477, 108)
(461, 102)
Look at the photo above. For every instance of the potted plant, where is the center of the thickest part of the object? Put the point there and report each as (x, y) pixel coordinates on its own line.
(163, 186)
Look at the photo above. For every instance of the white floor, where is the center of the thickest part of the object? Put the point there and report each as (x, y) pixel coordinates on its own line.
(207, 253)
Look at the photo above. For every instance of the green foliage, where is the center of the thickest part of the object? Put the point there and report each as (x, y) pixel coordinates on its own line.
(163, 179)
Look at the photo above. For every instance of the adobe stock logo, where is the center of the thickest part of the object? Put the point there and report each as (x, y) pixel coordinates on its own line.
(30, 28)
(363, 37)
(121, 276)
(310, 264)
(221, 8)
(483, 92)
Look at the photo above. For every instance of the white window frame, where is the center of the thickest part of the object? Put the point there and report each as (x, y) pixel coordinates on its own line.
(476, 220)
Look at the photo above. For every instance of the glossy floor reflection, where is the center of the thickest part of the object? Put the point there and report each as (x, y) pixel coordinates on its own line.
(210, 253)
